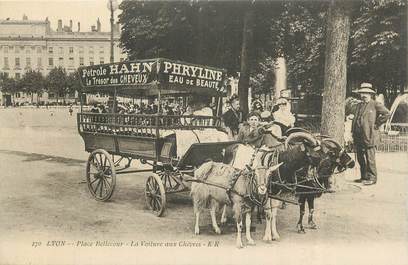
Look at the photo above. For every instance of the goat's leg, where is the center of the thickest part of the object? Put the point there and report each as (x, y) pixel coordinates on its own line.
(248, 229)
(213, 210)
(302, 200)
(310, 204)
(268, 217)
(197, 220)
(238, 219)
(224, 215)
(274, 205)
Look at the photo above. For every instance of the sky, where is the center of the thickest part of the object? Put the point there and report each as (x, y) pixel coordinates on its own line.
(84, 11)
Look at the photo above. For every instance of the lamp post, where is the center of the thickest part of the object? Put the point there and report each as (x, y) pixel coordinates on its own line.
(112, 6)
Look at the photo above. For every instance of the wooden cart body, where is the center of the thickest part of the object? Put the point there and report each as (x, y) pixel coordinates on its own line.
(146, 137)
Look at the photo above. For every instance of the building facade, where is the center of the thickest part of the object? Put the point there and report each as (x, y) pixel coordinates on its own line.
(33, 45)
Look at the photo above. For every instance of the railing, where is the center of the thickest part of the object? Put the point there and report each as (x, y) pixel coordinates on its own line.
(143, 125)
(393, 142)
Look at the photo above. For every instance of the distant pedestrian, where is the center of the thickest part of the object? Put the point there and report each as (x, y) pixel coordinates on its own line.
(368, 116)
(70, 110)
(257, 104)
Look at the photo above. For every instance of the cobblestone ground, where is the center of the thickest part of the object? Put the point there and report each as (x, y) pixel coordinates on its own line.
(44, 198)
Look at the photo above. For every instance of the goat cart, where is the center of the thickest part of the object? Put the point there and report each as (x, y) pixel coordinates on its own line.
(170, 146)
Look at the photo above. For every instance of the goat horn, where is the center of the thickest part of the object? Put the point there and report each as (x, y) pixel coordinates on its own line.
(303, 135)
(331, 140)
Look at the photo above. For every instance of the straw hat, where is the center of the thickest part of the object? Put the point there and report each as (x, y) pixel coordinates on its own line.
(366, 88)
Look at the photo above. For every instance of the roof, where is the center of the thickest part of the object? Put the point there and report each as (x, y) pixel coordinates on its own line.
(23, 22)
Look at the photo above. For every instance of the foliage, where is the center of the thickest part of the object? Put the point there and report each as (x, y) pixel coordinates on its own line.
(263, 79)
(32, 82)
(7, 84)
(210, 32)
(206, 32)
(300, 33)
(73, 82)
(56, 81)
(378, 44)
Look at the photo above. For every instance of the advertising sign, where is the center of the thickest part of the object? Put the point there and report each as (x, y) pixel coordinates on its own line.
(172, 74)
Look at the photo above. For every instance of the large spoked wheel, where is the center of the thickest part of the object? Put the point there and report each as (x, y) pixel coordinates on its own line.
(100, 175)
(155, 195)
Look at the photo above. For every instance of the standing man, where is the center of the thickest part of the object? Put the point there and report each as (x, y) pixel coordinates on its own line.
(368, 116)
(233, 117)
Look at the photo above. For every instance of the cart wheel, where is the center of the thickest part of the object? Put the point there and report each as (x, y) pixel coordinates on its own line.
(155, 195)
(100, 175)
(169, 183)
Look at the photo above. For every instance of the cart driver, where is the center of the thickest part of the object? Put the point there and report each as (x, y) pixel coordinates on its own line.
(249, 132)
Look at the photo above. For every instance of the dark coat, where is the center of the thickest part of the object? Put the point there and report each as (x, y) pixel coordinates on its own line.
(367, 118)
(232, 119)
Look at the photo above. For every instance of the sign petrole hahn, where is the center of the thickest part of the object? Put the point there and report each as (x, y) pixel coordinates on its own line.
(153, 71)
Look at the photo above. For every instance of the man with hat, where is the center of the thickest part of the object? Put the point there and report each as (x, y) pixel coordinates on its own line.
(368, 116)
(233, 117)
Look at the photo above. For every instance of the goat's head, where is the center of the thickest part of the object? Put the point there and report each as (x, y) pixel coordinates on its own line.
(263, 172)
(336, 156)
(308, 144)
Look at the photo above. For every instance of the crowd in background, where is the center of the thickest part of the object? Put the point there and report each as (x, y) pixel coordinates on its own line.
(233, 118)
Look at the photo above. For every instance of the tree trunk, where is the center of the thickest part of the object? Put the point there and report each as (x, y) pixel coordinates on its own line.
(404, 49)
(335, 81)
(247, 45)
(202, 25)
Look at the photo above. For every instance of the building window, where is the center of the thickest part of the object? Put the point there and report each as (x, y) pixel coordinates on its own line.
(71, 50)
(91, 61)
(28, 50)
(51, 62)
(39, 62)
(38, 49)
(6, 74)
(71, 61)
(61, 50)
(28, 62)
(17, 62)
(81, 49)
(17, 50)
(61, 61)
(81, 61)
(101, 60)
(101, 50)
(6, 49)
(91, 51)
(18, 75)
(50, 50)
(6, 63)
